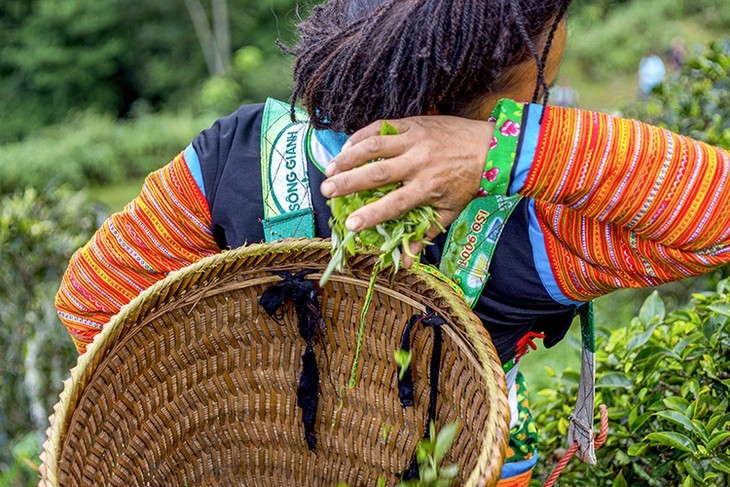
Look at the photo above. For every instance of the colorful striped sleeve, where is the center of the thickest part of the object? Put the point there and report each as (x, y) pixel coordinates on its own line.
(167, 227)
(619, 203)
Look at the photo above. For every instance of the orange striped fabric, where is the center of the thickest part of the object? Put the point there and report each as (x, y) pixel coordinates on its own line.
(167, 227)
(522, 480)
(625, 204)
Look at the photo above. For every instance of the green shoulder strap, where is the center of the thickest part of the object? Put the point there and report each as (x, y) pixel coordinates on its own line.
(581, 421)
(472, 240)
(284, 175)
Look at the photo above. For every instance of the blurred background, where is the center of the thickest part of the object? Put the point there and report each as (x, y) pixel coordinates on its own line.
(95, 94)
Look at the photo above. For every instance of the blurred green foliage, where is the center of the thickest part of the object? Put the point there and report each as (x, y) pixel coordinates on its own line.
(96, 149)
(121, 57)
(666, 381)
(39, 230)
(616, 34)
(695, 101)
(23, 453)
(252, 77)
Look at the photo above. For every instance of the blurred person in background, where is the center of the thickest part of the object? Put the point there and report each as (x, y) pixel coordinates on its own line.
(651, 73)
(564, 95)
(676, 55)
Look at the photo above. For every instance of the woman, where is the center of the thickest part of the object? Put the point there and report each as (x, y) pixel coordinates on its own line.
(363, 60)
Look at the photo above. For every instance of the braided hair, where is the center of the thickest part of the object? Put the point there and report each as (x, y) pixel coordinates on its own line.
(358, 61)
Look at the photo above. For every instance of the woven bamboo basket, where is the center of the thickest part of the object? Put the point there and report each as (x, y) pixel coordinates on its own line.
(193, 384)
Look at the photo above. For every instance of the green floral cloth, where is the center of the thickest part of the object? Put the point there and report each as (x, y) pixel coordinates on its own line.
(507, 116)
(523, 437)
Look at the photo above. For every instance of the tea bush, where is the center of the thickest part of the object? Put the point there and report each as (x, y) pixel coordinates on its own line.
(613, 37)
(39, 230)
(96, 149)
(696, 101)
(666, 381)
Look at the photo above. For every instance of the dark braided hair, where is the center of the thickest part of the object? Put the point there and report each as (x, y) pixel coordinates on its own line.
(363, 60)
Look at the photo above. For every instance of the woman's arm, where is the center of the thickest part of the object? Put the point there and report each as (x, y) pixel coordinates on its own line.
(165, 228)
(641, 177)
(617, 202)
(664, 187)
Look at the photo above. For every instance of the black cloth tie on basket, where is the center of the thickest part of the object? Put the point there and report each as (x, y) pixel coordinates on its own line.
(405, 385)
(302, 293)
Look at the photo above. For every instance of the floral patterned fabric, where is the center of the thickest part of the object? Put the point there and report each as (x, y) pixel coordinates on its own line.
(521, 454)
(507, 116)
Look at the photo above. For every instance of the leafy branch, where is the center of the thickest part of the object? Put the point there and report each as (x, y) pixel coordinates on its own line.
(387, 238)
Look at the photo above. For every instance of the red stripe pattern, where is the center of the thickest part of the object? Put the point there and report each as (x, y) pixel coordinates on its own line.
(625, 204)
(167, 227)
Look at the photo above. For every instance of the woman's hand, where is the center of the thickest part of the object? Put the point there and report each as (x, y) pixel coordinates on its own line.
(439, 159)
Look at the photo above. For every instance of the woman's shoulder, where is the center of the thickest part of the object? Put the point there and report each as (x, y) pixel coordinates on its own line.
(234, 138)
(239, 127)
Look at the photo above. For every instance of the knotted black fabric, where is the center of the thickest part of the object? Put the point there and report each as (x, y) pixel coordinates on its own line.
(405, 385)
(302, 293)
(308, 395)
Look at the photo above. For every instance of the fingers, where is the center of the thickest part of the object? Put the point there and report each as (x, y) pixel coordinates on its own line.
(369, 176)
(374, 147)
(435, 230)
(362, 134)
(373, 129)
(386, 208)
(415, 248)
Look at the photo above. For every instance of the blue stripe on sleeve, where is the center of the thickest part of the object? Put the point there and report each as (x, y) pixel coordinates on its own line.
(530, 136)
(193, 162)
(513, 469)
(331, 141)
(542, 262)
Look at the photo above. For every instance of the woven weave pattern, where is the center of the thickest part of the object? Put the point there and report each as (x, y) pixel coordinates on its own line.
(193, 383)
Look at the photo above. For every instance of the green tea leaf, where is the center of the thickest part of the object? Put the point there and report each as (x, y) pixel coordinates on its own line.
(639, 421)
(672, 440)
(723, 286)
(721, 463)
(640, 340)
(717, 440)
(388, 129)
(718, 419)
(637, 449)
(614, 380)
(676, 403)
(694, 468)
(652, 310)
(723, 309)
(620, 481)
(680, 419)
(445, 438)
(403, 360)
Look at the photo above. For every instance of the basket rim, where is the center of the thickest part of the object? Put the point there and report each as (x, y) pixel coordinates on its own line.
(104, 341)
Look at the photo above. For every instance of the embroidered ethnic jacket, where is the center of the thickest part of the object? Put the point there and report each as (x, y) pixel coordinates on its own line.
(609, 203)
